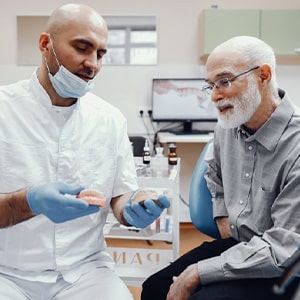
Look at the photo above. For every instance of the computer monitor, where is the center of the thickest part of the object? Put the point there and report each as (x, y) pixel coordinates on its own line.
(182, 100)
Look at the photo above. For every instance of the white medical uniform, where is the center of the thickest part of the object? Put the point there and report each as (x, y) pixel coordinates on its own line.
(40, 144)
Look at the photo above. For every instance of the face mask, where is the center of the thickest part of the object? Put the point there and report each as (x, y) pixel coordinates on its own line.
(66, 84)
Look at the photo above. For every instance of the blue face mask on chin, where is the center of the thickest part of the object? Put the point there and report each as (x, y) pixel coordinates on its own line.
(66, 84)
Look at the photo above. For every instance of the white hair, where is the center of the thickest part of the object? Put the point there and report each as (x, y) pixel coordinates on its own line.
(254, 52)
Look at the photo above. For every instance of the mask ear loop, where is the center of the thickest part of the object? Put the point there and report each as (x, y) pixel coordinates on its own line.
(53, 51)
(47, 65)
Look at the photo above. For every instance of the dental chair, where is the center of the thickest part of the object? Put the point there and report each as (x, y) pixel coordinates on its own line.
(201, 211)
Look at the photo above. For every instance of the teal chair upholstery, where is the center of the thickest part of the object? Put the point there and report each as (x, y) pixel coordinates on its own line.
(200, 204)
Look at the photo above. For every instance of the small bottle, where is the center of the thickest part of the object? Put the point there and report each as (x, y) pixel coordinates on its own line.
(146, 153)
(172, 156)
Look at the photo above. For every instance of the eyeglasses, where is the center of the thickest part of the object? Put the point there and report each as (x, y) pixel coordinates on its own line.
(224, 82)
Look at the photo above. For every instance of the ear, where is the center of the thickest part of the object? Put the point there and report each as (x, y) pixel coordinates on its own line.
(44, 43)
(265, 73)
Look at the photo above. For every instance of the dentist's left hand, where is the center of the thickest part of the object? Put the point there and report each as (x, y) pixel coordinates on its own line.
(142, 216)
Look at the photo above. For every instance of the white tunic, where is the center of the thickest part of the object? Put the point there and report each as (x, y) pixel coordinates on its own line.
(39, 145)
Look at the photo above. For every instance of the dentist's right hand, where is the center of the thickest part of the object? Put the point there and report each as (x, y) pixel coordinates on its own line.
(53, 200)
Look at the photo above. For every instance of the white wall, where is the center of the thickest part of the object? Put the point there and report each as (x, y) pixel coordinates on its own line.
(129, 87)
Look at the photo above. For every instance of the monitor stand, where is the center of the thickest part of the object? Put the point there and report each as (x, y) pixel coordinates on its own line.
(188, 129)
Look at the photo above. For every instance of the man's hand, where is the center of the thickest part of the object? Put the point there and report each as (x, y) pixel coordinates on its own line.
(55, 201)
(185, 284)
(143, 215)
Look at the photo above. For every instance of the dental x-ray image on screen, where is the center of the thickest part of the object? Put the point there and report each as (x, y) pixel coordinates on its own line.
(182, 100)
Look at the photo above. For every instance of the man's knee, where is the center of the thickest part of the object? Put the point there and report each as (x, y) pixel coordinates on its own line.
(149, 283)
(156, 287)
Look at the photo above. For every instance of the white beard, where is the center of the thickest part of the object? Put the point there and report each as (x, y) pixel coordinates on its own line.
(243, 107)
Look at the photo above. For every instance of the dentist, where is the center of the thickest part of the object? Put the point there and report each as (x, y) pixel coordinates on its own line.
(56, 139)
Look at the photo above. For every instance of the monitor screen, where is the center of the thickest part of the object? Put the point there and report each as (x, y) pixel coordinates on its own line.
(181, 100)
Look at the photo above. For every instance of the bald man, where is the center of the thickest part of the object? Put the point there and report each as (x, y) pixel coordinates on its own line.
(56, 139)
(253, 175)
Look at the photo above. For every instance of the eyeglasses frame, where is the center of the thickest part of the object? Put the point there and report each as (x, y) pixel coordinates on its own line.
(209, 87)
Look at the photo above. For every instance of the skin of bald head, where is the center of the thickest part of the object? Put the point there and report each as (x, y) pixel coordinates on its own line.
(72, 13)
(76, 38)
(235, 56)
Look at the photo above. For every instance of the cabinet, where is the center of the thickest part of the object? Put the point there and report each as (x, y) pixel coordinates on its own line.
(279, 28)
(218, 25)
(135, 264)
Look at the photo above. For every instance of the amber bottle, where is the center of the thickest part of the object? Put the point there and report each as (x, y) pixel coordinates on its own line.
(172, 155)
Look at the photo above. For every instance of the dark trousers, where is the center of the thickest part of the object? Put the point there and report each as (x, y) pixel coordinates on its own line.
(157, 285)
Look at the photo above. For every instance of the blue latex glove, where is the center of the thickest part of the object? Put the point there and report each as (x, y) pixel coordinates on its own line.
(51, 200)
(142, 216)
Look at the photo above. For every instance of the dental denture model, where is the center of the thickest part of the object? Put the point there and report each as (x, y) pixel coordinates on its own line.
(92, 197)
(141, 195)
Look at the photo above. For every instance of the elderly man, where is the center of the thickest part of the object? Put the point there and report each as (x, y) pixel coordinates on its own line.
(253, 176)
